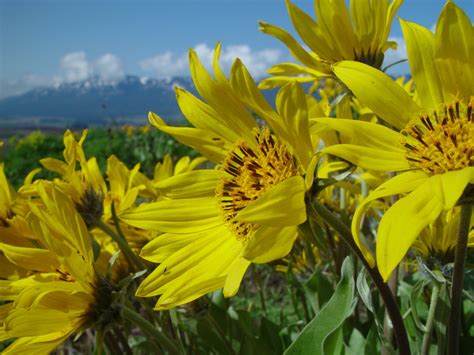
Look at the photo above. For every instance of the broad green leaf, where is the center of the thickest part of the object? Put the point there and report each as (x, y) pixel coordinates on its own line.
(313, 337)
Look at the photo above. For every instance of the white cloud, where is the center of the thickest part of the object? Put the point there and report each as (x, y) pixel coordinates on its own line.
(73, 67)
(108, 67)
(165, 65)
(76, 67)
(25, 83)
(392, 56)
(168, 64)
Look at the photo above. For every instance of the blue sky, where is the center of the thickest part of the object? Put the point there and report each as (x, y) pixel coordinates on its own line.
(43, 42)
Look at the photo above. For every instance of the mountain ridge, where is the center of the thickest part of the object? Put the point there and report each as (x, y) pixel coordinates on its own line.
(96, 101)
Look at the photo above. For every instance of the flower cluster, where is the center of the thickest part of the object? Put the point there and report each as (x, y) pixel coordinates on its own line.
(355, 163)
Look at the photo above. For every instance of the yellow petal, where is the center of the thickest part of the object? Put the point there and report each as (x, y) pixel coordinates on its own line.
(420, 48)
(38, 344)
(190, 294)
(29, 178)
(244, 85)
(377, 91)
(218, 73)
(283, 205)
(235, 276)
(211, 266)
(399, 184)
(175, 216)
(454, 52)
(31, 258)
(222, 99)
(403, 222)
(453, 184)
(362, 133)
(275, 82)
(196, 183)
(292, 108)
(335, 30)
(211, 146)
(55, 165)
(24, 322)
(295, 70)
(5, 193)
(370, 158)
(196, 259)
(311, 33)
(269, 243)
(295, 48)
(166, 244)
(204, 117)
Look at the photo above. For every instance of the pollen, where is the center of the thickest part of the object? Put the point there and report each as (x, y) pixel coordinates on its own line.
(442, 141)
(250, 173)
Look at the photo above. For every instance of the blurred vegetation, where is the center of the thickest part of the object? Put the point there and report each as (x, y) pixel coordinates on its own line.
(144, 145)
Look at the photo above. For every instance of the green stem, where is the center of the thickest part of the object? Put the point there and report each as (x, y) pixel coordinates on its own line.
(385, 293)
(132, 259)
(260, 291)
(99, 340)
(425, 348)
(457, 284)
(149, 329)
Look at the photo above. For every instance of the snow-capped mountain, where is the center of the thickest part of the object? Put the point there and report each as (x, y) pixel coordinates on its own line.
(95, 101)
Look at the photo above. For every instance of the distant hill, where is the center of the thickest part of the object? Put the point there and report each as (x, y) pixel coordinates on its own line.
(94, 102)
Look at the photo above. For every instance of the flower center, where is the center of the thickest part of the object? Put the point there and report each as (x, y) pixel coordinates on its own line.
(443, 141)
(251, 173)
(90, 206)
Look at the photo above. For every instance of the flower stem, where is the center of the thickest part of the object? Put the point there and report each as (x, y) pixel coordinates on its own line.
(425, 348)
(132, 259)
(385, 292)
(457, 284)
(99, 339)
(149, 329)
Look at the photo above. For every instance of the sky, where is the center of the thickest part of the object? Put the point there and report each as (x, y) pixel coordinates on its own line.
(48, 42)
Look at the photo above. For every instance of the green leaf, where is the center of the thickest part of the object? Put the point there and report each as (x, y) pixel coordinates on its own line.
(366, 296)
(356, 343)
(415, 297)
(334, 342)
(269, 334)
(318, 290)
(331, 317)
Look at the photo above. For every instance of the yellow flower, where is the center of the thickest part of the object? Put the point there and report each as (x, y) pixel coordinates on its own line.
(44, 309)
(437, 242)
(216, 222)
(94, 197)
(358, 34)
(434, 148)
(14, 230)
